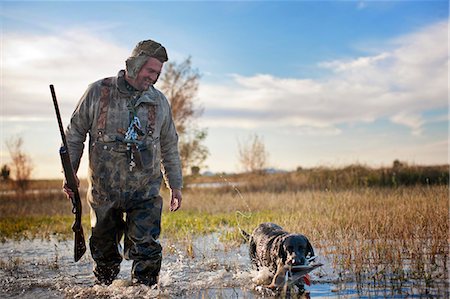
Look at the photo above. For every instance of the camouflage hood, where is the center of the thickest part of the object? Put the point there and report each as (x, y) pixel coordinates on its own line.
(141, 53)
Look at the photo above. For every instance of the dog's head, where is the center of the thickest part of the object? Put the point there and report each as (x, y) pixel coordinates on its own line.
(295, 249)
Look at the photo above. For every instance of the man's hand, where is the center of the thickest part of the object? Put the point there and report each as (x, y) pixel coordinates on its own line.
(67, 190)
(175, 199)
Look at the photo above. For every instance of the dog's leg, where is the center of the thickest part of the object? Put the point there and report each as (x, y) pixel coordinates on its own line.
(279, 278)
(253, 254)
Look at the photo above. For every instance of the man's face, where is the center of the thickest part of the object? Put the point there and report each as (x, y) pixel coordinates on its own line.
(148, 75)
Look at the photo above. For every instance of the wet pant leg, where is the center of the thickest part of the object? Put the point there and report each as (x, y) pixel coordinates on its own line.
(143, 226)
(107, 230)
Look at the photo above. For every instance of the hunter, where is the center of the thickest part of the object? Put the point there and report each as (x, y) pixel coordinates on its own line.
(133, 146)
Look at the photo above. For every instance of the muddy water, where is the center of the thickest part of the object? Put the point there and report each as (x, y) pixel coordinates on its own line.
(45, 269)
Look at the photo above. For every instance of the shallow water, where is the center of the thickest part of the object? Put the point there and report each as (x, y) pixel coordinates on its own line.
(45, 269)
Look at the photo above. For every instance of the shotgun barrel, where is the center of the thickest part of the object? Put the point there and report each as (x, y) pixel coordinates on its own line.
(71, 182)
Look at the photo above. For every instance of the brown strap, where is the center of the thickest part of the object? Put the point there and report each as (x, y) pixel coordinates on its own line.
(104, 104)
(151, 118)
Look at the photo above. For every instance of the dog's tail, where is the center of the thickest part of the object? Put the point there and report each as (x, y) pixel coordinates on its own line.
(245, 235)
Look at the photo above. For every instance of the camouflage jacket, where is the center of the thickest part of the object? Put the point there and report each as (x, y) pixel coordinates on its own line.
(106, 121)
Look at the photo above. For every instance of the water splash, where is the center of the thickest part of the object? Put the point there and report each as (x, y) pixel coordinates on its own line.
(33, 269)
(36, 268)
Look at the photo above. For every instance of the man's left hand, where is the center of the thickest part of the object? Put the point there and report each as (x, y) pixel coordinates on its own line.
(175, 199)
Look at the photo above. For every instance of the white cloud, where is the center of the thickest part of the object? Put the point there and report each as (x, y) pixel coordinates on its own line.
(70, 61)
(412, 121)
(399, 83)
(357, 64)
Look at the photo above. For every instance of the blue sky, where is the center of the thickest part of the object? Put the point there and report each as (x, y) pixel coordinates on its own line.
(323, 83)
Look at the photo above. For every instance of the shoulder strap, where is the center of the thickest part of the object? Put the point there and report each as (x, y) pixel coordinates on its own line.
(152, 112)
(151, 118)
(104, 104)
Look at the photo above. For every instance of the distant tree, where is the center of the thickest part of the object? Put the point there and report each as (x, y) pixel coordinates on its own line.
(179, 82)
(5, 172)
(253, 156)
(195, 170)
(397, 164)
(192, 152)
(22, 165)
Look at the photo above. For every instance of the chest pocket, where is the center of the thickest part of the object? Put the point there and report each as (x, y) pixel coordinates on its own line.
(142, 154)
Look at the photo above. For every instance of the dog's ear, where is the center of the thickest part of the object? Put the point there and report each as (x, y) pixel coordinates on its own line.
(310, 248)
(282, 251)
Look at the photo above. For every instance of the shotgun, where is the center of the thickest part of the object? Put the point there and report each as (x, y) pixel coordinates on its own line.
(80, 244)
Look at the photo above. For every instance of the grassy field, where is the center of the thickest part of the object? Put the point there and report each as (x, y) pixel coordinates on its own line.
(379, 234)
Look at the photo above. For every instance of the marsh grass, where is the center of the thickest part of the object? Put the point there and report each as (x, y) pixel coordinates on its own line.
(374, 236)
(37, 215)
(39, 185)
(11, 265)
(331, 178)
(379, 235)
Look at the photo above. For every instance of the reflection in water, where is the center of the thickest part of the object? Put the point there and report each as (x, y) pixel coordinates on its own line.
(45, 269)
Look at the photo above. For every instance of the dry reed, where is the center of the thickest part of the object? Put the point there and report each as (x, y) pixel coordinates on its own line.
(383, 235)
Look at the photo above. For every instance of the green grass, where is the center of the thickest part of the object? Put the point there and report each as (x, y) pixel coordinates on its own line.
(184, 223)
(42, 227)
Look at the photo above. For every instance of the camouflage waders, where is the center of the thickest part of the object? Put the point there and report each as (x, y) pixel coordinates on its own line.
(140, 229)
(125, 175)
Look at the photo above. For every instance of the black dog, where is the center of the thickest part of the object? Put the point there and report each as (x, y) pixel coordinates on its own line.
(276, 249)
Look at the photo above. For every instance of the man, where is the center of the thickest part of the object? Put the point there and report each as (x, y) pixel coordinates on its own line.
(131, 133)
